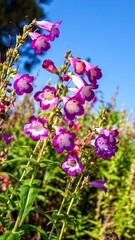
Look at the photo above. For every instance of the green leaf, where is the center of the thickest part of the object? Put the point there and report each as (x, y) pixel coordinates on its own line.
(27, 196)
(10, 236)
(21, 160)
(14, 236)
(3, 198)
(29, 227)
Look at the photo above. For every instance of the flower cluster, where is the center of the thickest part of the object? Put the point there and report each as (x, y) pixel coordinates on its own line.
(70, 102)
(105, 143)
(40, 42)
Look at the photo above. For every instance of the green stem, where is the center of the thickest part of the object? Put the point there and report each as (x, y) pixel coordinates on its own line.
(69, 207)
(30, 185)
(61, 206)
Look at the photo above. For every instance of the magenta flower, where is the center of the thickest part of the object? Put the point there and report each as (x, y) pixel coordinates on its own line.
(35, 128)
(84, 91)
(72, 165)
(64, 140)
(99, 184)
(7, 138)
(82, 66)
(49, 66)
(93, 72)
(78, 65)
(22, 83)
(105, 143)
(39, 42)
(2, 106)
(73, 107)
(65, 78)
(50, 27)
(47, 97)
(70, 123)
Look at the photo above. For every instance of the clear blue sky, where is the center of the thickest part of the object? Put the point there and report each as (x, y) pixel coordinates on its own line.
(103, 30)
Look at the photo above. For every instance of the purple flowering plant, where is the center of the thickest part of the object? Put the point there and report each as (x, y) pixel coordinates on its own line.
(51, 132)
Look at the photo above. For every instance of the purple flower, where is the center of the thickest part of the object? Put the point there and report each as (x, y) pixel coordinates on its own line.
(84, 92)
(22, 83)
(105, 143)
(99, 184)
(50, 27)
(70, 123)
(72, 165)
(73, 107)
(7, 138)
(47, 97)
(39, 42)
(35, 128)
(64, 140)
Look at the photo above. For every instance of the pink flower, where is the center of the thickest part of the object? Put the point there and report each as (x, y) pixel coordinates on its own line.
(78, 65)
(39, 42)
(82, 66)
(22, 83)
(50, 27)
(5, 181)
(72, 165)
(49, 66)
(47, 97)
(2, 107)
(63, 139)
(35, 128)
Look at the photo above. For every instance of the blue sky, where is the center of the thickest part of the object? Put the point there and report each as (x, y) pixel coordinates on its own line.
(103, 30)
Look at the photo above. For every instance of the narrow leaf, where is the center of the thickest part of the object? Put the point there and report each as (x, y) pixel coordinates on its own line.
(27, 196)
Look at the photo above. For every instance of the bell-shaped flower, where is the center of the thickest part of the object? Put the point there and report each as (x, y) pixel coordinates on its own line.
(84, 91)
(73, 107)
(22, 83)
(50, 27)
(35, 128)
(70, 123)
(63, 140)
(47, 97)
(49, 66)
(99, 184)
(72, 165)
(39, 42)
(7, 138)
(82, 66)
(105, 143)
(93, 72)
(78, 65)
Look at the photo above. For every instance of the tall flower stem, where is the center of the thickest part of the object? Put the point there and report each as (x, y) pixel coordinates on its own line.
(62, 204)
(70, 206)
(17, 223)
